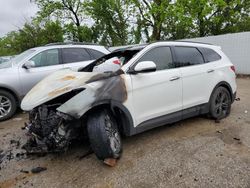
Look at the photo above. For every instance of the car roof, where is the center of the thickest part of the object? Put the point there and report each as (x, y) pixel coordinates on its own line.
(185, 43)
(73, 45)
(172, 43)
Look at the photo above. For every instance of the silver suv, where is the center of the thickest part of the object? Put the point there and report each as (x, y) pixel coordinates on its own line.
(20, 74)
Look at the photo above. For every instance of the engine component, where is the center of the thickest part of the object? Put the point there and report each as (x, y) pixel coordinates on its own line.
(50, 131)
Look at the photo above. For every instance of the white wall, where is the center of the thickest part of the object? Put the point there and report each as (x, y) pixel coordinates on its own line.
(236, 46)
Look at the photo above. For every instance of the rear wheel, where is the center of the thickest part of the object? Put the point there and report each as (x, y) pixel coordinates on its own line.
(8, 105)
(220, 103)
(104, 136)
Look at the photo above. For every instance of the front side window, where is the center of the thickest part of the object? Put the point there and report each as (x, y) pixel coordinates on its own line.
(161, 56)
(71, 55)
(186, 56)
(46, 58)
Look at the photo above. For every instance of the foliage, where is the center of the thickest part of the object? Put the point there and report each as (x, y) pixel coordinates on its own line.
(31, 35)
(121, 22)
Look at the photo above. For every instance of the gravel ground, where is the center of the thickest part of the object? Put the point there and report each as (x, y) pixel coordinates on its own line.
(193, 153)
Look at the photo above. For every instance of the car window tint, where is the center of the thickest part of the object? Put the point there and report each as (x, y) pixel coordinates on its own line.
(71, 55)
(96, 54)
(46, 58)
(161, 56)
(209, 55)
(186, 56)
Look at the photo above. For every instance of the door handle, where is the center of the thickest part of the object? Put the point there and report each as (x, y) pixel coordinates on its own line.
(210, 71)
(174, 78)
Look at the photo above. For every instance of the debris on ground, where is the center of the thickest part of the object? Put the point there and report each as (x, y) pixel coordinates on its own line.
(238, 139)
(1, 156)
(24, 171)
(38, 170)
(110, 162)
(219, 132)
(10, 155)
(15, 142)
(237, 99)
(246, 111)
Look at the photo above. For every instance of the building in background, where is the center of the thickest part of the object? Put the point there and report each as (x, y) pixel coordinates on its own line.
(236, 46)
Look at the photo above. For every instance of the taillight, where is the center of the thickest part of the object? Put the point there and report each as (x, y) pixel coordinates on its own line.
(233, 68)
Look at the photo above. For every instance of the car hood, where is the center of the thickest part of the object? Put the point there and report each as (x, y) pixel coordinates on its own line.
(5, 65)
(57, 84)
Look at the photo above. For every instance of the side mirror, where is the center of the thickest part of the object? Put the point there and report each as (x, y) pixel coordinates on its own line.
(145, 66)
(29, 64)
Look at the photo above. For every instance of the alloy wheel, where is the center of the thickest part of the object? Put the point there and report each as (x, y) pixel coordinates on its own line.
(5, 106)
(222, 103)
(113, 135)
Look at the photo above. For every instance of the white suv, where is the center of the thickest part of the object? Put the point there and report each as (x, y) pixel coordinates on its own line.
(153, 85)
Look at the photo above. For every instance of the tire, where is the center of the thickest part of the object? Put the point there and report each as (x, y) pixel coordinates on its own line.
(8, 105)
(104, 136)
(220, 103)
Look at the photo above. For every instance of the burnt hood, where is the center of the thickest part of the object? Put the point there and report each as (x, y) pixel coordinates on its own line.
(56, 84)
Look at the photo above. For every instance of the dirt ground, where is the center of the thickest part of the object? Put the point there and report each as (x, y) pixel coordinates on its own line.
(197, 152)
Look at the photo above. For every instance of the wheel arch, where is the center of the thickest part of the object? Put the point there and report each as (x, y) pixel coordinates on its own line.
(18, 99)
(225, 85)
(120, 112)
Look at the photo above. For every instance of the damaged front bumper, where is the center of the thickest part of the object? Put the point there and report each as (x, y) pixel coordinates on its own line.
(50, 131)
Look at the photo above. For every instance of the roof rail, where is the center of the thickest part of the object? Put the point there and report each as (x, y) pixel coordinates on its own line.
(194, 42)
(185, 41)
(70, 43)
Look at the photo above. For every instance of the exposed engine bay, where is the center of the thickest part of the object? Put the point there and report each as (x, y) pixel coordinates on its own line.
(50, 131)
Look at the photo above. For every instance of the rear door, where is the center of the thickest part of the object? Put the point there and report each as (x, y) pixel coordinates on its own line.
(45, 62)
(76, 58)
(197, 75)
(156, 94)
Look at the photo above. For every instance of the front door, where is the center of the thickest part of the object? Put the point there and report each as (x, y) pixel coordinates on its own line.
(157, 94)
(45, 63)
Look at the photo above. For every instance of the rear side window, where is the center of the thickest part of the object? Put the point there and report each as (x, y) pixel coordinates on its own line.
(187, 56)
(95, 54)
(71, 55)
(209, 55)
(161, 56)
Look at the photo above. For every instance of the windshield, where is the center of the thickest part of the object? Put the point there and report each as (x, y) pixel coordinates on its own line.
(111, 62)
(22, 56)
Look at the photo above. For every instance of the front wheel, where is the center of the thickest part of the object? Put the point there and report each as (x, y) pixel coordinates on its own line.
(104, 136)
(220, 103)
(8, 105)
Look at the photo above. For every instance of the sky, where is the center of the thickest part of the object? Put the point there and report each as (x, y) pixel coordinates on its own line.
(14, 13)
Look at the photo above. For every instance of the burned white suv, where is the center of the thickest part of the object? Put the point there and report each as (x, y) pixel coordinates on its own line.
(127, 92)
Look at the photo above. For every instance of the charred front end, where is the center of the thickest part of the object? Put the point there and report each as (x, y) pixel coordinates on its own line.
(49, 130)
(57, 107)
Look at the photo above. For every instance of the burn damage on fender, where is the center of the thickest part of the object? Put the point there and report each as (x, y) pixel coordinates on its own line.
(55, 124)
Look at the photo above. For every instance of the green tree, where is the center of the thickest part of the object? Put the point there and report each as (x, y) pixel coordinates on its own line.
(31, 35)
(213, 17)
(151, 15)
(69, 12)
(110, 20)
